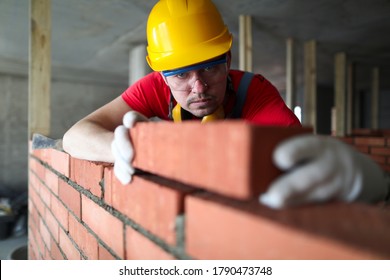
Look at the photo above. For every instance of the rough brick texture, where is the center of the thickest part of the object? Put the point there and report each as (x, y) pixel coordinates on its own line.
(232, 158)
(197, 202)
(332, 231)
(374, 143)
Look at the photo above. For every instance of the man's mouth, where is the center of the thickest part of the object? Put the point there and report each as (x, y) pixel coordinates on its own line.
(203, 102)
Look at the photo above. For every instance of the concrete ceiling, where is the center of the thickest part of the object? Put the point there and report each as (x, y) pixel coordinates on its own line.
(91, 39)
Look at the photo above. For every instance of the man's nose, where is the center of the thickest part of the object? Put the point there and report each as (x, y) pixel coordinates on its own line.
(199, 85)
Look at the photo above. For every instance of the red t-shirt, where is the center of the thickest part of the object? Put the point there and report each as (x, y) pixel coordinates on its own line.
(263, 105)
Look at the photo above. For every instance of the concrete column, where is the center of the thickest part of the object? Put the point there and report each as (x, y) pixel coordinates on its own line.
(138, 67)
(375, 98)
(340, 93)
(310, 88)
(39, 76)
(357, 110)
(245, 43)
(350, 97)
(290, 74)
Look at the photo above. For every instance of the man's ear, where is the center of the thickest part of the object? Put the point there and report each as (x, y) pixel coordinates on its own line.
(164, 78)
(229, 58)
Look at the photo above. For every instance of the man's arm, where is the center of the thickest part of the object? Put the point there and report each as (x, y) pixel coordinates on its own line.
(91, 137)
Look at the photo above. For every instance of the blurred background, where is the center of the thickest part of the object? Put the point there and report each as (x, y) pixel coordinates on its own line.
(98, 49)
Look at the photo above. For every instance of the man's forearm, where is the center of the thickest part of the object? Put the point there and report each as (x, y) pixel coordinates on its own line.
(89, 141)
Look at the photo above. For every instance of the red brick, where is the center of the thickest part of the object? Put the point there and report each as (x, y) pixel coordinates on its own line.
(149, 204)
(60, 161)
(60, 212)
(39, 240)
(68, 247)
(85, 240)
(52, 225)
(215, 229)
(386, 168)
(105, 225)
(104, 254)
(70, 197)
(45, 194)
(366, 132)
(370, 141)
(87, 174)
(380, 151)
(33, 181)
(51, 180)
(388, 141)
(38, 169)
(33, 246)
(41, 154)
(108, 177)
(138, 247)
(378, 159)
(32, 191)
(35, 198)
(347, 140)
(363, 149)
(55, 251)
(218, 156)
(47, 255)
(33, 212)
(44, 234)
(31, 252)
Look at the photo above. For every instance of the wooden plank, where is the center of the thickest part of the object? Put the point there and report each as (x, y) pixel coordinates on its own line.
(245, 43)
(375, 98)
(350, 97)
(340, 93)
(310, 88)
(39, 67)
(290, 74)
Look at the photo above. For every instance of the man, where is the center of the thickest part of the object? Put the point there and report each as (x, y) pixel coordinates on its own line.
(189, 50)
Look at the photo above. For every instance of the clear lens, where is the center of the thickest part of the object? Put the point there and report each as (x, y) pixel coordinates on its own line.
(208, 76)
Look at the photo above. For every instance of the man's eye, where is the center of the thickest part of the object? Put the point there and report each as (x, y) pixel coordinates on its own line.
(209, 68)
(181, 75)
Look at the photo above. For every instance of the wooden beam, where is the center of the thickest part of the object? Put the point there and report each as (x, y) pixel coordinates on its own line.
(39, 67)
(375, 98)
(350, 97)
(340, 92)
(290, 74)
(310, 88)
(245, 43)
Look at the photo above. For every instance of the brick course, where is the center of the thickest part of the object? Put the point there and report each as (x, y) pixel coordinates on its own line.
(197, 201)
(374, 143)
(199, 155)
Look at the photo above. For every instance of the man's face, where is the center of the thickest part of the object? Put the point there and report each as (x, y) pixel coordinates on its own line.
(200, 91)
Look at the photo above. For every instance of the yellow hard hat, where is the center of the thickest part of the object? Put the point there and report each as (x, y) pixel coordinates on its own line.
(185, 32)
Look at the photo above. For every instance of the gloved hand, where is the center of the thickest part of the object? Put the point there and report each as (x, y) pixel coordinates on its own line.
(122, 149)
(322, 168)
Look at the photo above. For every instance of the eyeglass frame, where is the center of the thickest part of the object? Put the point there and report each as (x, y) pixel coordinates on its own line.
(168, 73)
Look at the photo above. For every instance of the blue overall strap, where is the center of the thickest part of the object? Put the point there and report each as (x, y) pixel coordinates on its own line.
(241, 95)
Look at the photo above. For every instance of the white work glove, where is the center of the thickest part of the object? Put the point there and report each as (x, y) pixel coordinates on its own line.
(321, 168)
(122, 149)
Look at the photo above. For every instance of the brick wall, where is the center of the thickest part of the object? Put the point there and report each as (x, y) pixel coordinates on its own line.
(195, 198)
(374, 143)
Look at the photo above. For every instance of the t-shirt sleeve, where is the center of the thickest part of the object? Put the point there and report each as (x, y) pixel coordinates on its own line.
(265, 106)
(148, 96)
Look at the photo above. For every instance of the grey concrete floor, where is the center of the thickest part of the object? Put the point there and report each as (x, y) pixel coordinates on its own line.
(10, 244)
